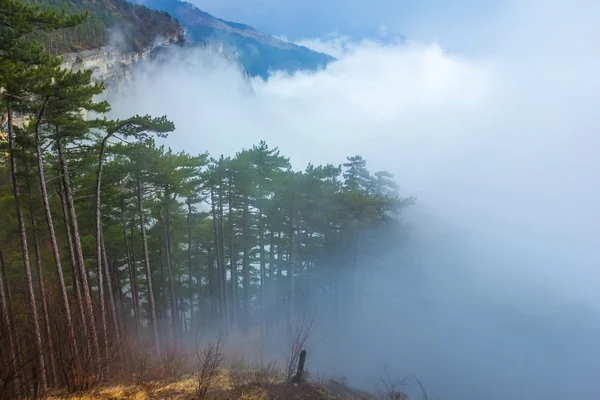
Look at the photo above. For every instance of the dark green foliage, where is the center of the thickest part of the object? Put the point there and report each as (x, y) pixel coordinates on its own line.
(131, 27)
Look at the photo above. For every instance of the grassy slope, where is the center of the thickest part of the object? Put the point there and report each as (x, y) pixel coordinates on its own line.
(137, 26)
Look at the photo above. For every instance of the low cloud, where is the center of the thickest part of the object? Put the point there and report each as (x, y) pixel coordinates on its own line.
(500, 145)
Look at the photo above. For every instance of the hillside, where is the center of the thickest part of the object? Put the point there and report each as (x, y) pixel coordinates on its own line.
(131, 26)
(256, 51)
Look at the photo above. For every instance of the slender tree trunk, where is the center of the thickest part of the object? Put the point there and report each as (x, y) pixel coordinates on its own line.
(271, 291)
(222, 269)
(7, 311)
(246, 259)
(217, 281)
(263, 274)
(37, 336)
(110, 295)
(131, 270)
(55, 249)
(89, 310)
(233, 264)
(74, 268)
(163, 312)
(147, 267)
(212, 285)
(189, 256)
(272, 249)
(199, 287)
(99, 256)
(52, 376)
(102, 301)
(120, 309)
(292, 258)
(280, 289)
(172, 297)
(279, 255)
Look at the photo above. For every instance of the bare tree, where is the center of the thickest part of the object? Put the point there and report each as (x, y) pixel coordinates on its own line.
(299, 332)
(210, 358)
(390, 388)
(144, 365)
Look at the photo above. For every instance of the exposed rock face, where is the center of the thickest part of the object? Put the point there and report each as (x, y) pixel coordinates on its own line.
(109, 64)
(113, 66)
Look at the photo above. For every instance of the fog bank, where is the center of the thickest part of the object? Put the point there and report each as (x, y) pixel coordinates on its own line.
(499, 297)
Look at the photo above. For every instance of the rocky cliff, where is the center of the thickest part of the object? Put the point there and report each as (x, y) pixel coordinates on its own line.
(113, 66)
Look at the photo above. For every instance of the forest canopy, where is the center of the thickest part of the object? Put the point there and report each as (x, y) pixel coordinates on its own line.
(133, 27)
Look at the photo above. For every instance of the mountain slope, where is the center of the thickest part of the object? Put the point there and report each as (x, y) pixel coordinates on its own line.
(257, 52)
(132, 27)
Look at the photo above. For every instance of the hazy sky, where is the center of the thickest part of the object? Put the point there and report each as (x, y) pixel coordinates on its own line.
(356, 18)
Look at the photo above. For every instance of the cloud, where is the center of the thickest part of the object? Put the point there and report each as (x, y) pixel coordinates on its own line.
(499, 144)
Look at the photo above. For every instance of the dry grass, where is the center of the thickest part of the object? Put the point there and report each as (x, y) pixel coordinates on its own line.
(185, 389)
(182, 389)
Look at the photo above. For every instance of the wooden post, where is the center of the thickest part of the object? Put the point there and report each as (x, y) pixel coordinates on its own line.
(298, 377)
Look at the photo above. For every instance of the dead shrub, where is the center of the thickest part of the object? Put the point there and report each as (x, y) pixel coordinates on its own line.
(210, 357)
(390, 388)
(144, 363)
(173, 362)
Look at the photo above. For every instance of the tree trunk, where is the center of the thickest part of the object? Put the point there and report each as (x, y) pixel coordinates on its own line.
(89, 310)
(74, 268)
(55, 249)
(292, 257)
(162, 313)
(131, 269)
(223, 277)
(212, 285)
(263, 274)
(102, 272)
(172, 296)
(246, 259)
(199, 287)
(37, 337)
(271, 253)
(218, 282)
(112, 309)
(153, 322)
(52, 376)
(233, 265)
(120, 309)
(101, 295)
(271, 291)
(7, 312)
(189, 256)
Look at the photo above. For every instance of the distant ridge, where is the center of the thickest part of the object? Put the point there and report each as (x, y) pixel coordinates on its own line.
(257, 52)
